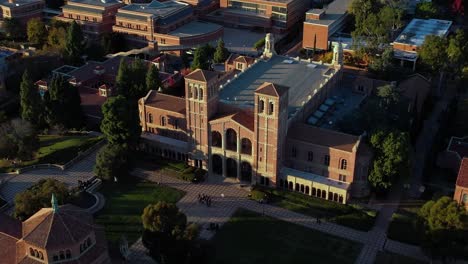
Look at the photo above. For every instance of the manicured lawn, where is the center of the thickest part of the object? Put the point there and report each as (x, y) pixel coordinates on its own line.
(392, 258)
(177, 169)
(346, 215)
(125, 202)
(249, 238)
(403, 226)
(55, 149)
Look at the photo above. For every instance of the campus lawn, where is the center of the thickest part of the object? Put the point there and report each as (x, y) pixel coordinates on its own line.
(250, 238)
(55, 149)
(125, 202)
(403, 226)
(357, 218)
(392, 258)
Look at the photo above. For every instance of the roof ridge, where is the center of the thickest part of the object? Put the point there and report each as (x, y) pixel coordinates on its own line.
(43, 220)
(66, 228)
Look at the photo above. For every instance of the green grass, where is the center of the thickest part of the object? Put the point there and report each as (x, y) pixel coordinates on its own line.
(177, 169)
(249, 238)
(392, 258)
(357, 218)
(125, 202)
(404, 227)
(55, 149)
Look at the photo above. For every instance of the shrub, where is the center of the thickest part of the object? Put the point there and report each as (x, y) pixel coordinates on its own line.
(257, 195)
(259, 44)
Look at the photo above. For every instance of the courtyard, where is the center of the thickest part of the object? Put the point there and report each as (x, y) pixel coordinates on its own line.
(249, 237)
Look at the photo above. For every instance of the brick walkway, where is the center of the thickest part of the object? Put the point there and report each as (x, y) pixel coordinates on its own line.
(228, 197)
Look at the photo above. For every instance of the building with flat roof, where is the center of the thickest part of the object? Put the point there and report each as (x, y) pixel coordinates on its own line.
(274, 16)
(171, 24)
(21, 10)
(248, 124)
(321, 24)
(94, 17)
(405, 46)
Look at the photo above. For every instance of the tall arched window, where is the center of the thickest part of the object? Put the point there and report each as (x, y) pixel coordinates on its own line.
(163, 121)
(68, 254)
(261, 106)
(200, 94)
(41, 256)
(31, 251)
(62, 255)
(344, 164)
(150, 118)
(194, 93)
(271, 108)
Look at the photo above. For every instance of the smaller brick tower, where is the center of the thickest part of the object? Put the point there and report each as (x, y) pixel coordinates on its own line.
(270, 128)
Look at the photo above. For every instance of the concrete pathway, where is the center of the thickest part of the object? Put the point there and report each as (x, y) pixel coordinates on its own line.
(227, 197)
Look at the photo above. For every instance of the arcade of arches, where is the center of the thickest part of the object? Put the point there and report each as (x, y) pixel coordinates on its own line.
(232, 169)
(231, 142)
(319, 191)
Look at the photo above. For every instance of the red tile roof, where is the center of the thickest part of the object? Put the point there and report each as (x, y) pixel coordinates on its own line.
(10, 226)
(7, 248)
(91, 101)
(462, 179)
(165, 102)
(322, 137)
(245, 119)
(201, 75)
(51, 230)
(271, 89)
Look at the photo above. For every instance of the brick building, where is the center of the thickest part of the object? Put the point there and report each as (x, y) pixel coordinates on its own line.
(61, 234)
(248, 124)
(94, 17)
(169, 23)
(274, 16)
(321, 24)
(21, 10)
(461, 186)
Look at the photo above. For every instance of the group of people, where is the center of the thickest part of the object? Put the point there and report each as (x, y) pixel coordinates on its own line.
(203, 198)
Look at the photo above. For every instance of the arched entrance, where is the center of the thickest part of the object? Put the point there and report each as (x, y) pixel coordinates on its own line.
(231, 168)
(231, 139)
(246, 172)
(217, 164)
(216, 139)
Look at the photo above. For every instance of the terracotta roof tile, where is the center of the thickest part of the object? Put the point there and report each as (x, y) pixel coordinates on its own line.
(201, 75)
(7, 248)
(462, 179)
(245, 119)
(50, 230)
(271, 89)
(165, 102)
(322, 137)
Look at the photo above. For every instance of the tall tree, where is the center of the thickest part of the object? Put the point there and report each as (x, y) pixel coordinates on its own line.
(56, 38)
(36, 31)
(391, 158)
(123, 79)
(112, 161)
(13, 28)
(119, 124)
(30, 99)
(446, 232)
(433, 53)
(153, 81)
(221, 53)
(456, 52)
(426, 10)
(74, 46)
(200, 59)
(18, 140)
(65, 103)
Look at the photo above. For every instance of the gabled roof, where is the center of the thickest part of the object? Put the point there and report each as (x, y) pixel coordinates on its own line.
(201, 75)
(272, 89)
(53, 230)
(242, 118)
(462, 179)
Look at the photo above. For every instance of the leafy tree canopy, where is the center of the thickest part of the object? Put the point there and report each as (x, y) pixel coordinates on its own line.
(112, 161)
(18, 140)
(29, 99)
(221, 53)
(36, 31)
(74, 44)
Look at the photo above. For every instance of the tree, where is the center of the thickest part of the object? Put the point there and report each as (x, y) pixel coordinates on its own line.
(123, 78)
(153, 82)
(18, 140)
(64, 103)
(30, 99)
(57, 38)
(221, 53)
(38, 196)
(131, 79)
(456, 51)
(120, 122)
(113, 42)
(36, 31)
(391, 158)
(13, 28)
(389, 94)
(433, 53)
(74, 45)
(166, 233)
(200, 58)
(446, 232)
(383, 64)
(426, 10)
(112, 161)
